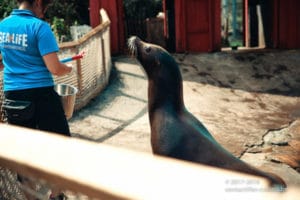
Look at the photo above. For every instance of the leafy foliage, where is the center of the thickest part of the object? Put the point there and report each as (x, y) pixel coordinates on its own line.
(61, 15)
(6, 7)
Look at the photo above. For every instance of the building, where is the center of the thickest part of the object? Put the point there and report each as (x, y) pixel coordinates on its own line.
(195, 25)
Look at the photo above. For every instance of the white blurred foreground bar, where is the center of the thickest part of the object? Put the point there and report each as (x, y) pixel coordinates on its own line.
(105, 172)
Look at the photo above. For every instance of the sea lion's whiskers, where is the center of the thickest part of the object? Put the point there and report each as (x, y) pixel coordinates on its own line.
(131, 45)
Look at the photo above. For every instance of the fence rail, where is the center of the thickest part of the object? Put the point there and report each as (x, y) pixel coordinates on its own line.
(92, 72)
(105, 172)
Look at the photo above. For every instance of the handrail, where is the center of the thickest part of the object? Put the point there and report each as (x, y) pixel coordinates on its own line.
(107, 172)
(84, 38)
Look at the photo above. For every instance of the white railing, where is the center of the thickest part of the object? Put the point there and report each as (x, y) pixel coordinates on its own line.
(105, 172)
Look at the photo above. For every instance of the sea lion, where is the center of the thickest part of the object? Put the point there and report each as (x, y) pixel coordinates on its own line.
(175, 132)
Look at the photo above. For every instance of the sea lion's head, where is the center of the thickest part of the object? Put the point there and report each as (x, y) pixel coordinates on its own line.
(154, 59)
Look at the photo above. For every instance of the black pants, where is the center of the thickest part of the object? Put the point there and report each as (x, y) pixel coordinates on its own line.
(48, 113)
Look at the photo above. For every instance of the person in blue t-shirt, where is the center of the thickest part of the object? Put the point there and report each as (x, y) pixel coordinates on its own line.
(29, 55)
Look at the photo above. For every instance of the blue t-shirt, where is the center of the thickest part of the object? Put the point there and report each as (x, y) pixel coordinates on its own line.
(24, 39)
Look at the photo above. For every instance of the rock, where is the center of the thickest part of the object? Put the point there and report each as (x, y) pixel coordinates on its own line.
(259, 160)
(289, 154)
(277, 137)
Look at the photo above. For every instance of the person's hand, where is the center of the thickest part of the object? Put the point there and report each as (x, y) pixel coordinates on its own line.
(73, 68)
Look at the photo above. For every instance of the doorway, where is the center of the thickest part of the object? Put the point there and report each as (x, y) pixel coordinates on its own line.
(232, 27)
(152, 21)
(141, 17)
(169, 24)
(260, 24)
(246, 24)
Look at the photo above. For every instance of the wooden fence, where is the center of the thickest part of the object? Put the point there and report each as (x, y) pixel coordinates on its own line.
(105, 172)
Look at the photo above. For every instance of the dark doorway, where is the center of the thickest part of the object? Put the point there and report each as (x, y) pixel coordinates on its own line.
(232, 23)
(169, 11)
(247, 23)
(260, 23)
(138, 18)
(83, 12)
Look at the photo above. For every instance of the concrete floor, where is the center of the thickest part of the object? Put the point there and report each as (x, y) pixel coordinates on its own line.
(250, 102)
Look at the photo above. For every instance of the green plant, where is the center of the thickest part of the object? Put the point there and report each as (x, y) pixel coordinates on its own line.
(236, 43)
(6, 6)
(61, 15)
(59, 28)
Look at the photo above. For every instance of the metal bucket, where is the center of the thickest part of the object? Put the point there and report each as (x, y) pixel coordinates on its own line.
(68, 97)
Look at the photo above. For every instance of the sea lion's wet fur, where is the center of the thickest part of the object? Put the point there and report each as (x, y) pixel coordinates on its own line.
(175, 132)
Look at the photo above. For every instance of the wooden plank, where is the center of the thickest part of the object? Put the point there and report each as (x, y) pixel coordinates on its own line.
(107, 172)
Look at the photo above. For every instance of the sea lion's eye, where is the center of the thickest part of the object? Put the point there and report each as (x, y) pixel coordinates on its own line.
(148, 49)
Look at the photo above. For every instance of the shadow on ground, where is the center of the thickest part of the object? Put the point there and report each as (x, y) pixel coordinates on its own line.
(117, 106)
(264, 71)
(248, 101)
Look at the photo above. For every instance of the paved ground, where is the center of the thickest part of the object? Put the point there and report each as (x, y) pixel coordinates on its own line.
(249, 101)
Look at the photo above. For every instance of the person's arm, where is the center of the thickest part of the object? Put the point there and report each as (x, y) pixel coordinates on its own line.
(1, 64)
(55, 66)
